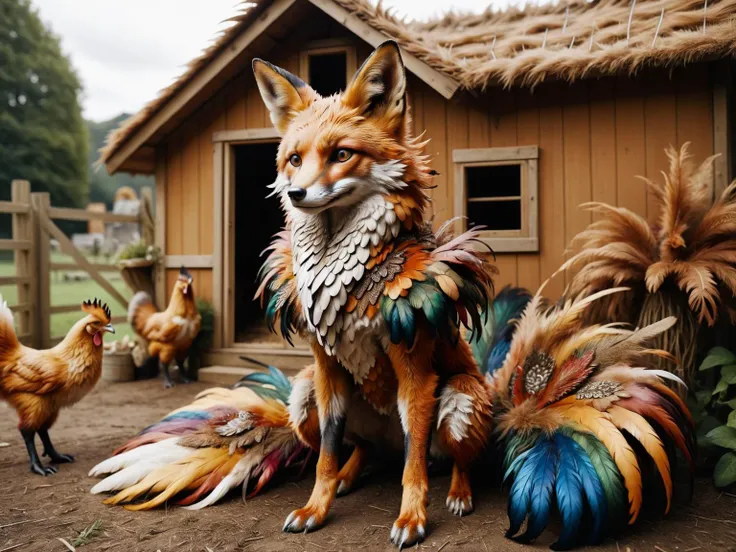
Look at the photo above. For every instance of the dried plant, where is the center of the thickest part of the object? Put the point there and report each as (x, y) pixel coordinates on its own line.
(689, 254)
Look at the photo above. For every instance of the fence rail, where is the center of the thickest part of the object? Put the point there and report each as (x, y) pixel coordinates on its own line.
(33, 228)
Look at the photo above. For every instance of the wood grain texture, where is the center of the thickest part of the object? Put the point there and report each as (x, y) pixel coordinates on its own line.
(630, 146)
(529, 275)
(503, 133)
(602, 143)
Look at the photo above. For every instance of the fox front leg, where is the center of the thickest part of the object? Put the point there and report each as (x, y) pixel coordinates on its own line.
(332, 387)
(417, 384)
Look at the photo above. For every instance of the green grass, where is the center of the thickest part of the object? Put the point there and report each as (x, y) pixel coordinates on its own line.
(69, 293)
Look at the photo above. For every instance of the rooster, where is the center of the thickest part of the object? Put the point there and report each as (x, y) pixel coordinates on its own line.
(169, 333)
(37, 384)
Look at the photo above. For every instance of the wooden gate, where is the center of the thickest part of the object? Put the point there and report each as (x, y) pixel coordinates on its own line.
(33, 230)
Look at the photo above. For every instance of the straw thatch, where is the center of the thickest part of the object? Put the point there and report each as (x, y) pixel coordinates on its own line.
(525, 46)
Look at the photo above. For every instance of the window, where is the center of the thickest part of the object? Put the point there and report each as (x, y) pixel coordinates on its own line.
(327, 69)
(497, 188)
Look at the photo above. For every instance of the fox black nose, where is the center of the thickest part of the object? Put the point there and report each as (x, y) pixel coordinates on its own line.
(297, 194)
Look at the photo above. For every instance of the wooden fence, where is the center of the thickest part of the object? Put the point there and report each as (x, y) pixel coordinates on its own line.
(33, 228)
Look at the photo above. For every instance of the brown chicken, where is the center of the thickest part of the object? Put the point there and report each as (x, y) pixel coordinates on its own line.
(169, 333)
(37, 384)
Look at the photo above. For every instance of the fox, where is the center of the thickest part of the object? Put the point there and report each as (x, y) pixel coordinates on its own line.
(381, 297)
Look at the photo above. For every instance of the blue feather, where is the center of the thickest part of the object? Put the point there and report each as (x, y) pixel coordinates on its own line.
(183, 415)
(520, 493)
(569, 490)
(541, 495)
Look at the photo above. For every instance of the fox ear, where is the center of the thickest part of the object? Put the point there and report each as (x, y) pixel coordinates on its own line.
(284, 94)
(379, 87)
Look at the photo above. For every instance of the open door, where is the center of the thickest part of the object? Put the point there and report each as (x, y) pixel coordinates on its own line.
(257, 219)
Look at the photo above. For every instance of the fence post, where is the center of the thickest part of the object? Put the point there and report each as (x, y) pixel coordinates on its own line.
(24, 258)
(41, 202)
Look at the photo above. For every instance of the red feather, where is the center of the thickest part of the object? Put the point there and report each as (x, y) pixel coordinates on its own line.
(566, 378)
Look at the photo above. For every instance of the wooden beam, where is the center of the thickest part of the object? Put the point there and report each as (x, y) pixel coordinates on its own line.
(65, 213)
(198, 83)
(481, 155)
(188, 261)
(24, 259)
(41, 287)
(13, 208)
(21, 307)
(218, 185)
(159, 272)
(443, 84)
(722, 90)
(15, 245)
(68, 247)
(14, 280)
(246, 135)
(73, 266)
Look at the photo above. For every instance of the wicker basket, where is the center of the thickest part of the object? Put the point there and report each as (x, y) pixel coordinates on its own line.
(118, 366)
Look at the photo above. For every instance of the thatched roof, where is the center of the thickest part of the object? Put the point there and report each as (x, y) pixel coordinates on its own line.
(523, 46)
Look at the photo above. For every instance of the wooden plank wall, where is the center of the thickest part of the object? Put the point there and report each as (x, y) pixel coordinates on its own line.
(594, 138)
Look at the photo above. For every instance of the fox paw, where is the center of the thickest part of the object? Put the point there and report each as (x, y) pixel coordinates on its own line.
(408, 530)
(304, 519)
(459, 505)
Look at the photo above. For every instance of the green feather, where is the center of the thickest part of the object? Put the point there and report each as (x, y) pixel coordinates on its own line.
(517, 444)
(608, 473)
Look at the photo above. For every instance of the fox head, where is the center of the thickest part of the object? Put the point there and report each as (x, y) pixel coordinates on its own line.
(338, 150)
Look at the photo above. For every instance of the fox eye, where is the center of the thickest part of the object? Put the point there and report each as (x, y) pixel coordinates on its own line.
(343, 155)
(295, 160)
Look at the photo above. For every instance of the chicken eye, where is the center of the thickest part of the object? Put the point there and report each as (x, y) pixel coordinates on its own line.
(295, 160)
(343, 155)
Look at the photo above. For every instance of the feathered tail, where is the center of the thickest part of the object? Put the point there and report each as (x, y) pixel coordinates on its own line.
(8, 339)
(581, 419)
(197, 454)
(499, 323)
(140, 309)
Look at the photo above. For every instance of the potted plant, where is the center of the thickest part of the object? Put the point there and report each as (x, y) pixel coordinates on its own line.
(203, 341)
(136, 262)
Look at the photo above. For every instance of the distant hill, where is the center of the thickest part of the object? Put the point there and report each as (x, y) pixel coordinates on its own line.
(102, 186)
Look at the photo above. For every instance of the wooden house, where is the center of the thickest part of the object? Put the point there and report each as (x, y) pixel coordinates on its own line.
(531, 112)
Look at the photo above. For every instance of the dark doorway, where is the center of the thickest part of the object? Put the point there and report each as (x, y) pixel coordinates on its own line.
(257, 219)
(327, 72)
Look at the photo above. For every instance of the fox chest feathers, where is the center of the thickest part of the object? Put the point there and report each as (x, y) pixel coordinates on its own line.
(329, 265)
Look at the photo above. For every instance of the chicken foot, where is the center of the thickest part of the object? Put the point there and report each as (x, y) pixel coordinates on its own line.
(49, 450)
(168, 384)
(36, 466)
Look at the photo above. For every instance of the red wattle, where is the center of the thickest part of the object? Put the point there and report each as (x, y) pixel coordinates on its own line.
(97, 339)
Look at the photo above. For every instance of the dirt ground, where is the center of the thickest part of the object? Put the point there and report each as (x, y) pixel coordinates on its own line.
(35, 511)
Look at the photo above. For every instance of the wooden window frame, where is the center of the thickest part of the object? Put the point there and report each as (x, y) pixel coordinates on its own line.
(526, 239)
(332, 46)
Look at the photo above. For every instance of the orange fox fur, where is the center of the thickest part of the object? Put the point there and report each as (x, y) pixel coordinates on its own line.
(38, 383)
(329, 144)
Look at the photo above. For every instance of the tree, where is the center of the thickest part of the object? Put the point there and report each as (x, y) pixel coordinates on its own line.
(43, 137)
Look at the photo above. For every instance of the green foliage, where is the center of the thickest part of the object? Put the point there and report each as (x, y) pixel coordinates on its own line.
(87, 534)
(140, 250)
(204, 338)
(715, 415)
(43, 134)
(102, 186)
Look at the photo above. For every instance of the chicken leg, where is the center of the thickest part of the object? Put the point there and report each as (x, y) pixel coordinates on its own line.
(49, 450)
(36, 466)
(168, 384)
(184, 376)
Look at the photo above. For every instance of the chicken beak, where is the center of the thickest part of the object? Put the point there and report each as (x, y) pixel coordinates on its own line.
(109, 329)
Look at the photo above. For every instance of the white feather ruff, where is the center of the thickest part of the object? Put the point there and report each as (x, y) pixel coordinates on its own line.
(455, 408)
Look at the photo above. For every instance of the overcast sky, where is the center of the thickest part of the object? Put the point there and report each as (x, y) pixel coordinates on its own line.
(125, 51)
